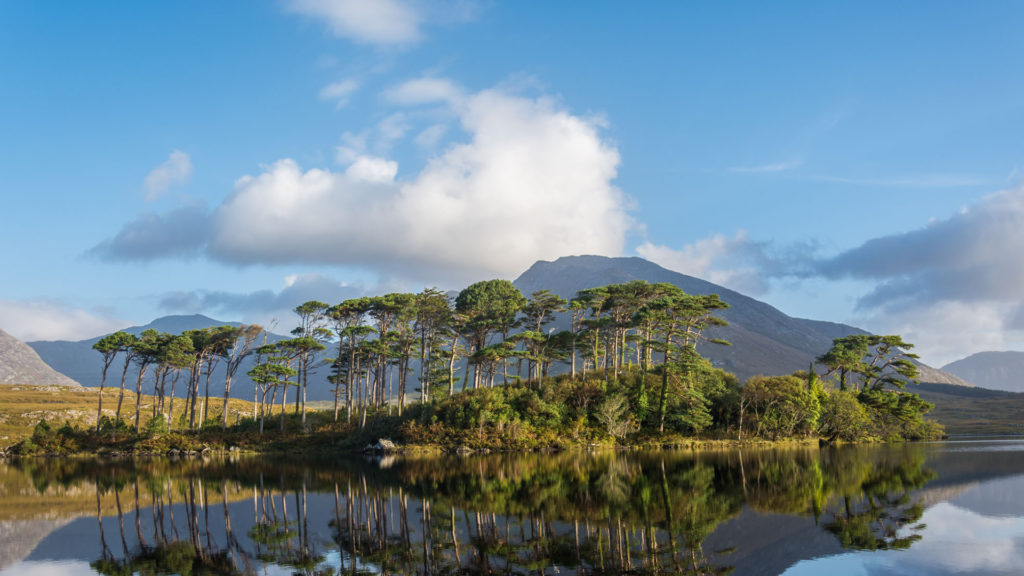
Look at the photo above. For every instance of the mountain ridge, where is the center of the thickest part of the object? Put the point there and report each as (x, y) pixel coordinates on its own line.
(996, 370)
(20, 364)
(764, 339)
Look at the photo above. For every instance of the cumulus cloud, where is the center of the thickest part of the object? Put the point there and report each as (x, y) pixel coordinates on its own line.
(531, 181)
(736, 262)
(339, 92)
(180, 233)
(177, 169)
(372, 169)
(31, 320)
(948, 330)
(972, 256)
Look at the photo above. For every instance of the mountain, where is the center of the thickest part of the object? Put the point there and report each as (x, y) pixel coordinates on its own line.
(764, 340)
(995, 370)
(20, 364)
(79, 361)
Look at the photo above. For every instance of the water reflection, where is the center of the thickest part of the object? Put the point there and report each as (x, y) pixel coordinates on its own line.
(607, 513)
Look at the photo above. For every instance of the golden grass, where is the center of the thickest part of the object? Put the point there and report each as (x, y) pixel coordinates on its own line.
(22, 407)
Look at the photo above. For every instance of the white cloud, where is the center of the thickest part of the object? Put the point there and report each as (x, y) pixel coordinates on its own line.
(382, 22)
(532, 182)
(372, 169)
(176, 170)
(339, 92)
(972, 256)
(425, 91)
(30, 320)
(179, 233)
(948, 330)
(734, 262)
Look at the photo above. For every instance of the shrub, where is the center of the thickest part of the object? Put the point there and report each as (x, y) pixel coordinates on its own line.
(156, 425)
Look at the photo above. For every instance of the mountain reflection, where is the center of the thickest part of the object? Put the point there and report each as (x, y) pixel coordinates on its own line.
(602, 513)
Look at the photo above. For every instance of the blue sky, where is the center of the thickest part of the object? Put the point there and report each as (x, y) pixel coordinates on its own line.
(856, 163)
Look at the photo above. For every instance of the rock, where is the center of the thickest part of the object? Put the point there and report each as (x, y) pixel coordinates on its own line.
(173, 452)
(463, 450)
(382, 445)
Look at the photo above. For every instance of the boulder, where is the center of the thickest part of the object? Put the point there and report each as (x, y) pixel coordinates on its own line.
(382, 445)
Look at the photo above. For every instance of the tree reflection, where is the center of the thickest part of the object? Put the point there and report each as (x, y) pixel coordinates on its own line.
(605, 513)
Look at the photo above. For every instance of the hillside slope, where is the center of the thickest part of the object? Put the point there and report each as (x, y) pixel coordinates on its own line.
(20, 364)
(995, 370)
(764, 339)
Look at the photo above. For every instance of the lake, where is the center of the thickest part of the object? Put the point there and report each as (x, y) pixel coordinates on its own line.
(930, 508)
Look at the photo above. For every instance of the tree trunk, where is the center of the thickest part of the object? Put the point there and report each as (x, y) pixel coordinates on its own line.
(663, 398)
(170, 417)
(99, 408)
(227, 394)
(451, 366)
(120, 397)
(138, 397)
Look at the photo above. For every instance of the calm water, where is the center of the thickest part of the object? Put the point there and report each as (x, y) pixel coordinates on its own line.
(942, 508)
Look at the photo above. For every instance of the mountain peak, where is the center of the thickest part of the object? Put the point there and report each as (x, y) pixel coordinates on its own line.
(995, 370)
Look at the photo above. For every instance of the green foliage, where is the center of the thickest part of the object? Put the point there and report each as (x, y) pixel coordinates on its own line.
(612, 414)
(156, 425)
(843, 417)
(781, 406)
(42, 433)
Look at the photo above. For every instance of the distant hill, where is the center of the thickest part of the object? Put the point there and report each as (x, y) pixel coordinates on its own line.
(19, 364)
(995, 370)
(764, 340)
(79, 361)
(974, 410)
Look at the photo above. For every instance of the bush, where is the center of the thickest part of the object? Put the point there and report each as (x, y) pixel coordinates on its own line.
(156, 425)
(42, 433)
(843, 417)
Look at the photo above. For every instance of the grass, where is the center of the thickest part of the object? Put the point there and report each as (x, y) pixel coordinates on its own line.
(974, 411)
(22, 407)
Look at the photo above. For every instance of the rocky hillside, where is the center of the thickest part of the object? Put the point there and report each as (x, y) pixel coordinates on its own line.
(995, 370)
(20, 364)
